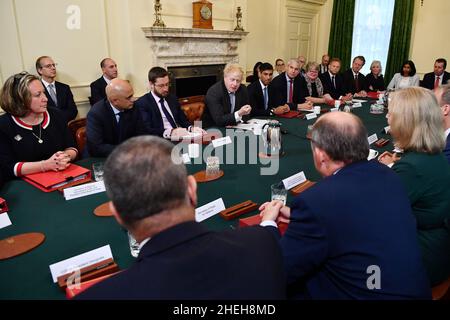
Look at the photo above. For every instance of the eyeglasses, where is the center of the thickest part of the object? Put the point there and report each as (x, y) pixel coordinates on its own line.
(48, 66)
(162, 85)
(280, 64)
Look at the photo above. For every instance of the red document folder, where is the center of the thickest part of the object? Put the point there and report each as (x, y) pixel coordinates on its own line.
(256, 219)
(51, 180)
(288, 115)
(74, 290)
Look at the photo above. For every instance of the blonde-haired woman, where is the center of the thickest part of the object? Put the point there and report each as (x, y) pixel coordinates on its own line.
(417, 128)
(314, 85)
(375, 80)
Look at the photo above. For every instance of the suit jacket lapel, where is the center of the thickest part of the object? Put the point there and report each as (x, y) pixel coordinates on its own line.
(227, 104)
(157, 112)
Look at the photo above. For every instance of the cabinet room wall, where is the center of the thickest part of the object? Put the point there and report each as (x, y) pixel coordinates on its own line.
(79, 33)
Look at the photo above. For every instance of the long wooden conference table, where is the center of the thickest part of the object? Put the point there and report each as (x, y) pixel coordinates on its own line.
(71, 228)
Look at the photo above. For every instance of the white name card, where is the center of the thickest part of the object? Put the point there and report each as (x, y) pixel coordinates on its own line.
(357, 101)
(186, 158)
(193, 150)
(334, 109)
(357, 105)
(208, 210)
(372, 138)
(4, 220)
(84, 190)
(221, 142)
(294, 180)
(80, 261)
(311, 116)
(387, 129)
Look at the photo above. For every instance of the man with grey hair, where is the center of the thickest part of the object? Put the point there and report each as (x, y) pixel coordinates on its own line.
(113, 119)
(443, 97)
(227, 101)
(153, 197)
(351, 235)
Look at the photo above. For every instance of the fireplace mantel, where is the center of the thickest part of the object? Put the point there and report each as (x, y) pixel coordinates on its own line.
(182, 47)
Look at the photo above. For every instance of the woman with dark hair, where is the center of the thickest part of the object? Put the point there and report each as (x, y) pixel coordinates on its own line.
(407, 77)
(254, 77)
(33, 138)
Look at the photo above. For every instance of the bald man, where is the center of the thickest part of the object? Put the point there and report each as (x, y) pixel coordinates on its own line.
(113, 119)
(352, 235)
(109, 70)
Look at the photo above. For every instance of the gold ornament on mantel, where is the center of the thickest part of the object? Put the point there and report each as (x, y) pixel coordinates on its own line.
(158, 22)
(239, 20)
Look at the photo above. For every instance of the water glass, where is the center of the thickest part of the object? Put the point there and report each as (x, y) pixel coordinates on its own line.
(212, 166)
(134, 245)
(279, 192)
(98, 171)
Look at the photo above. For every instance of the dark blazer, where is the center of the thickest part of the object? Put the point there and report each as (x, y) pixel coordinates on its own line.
(328, 87)
(338, 232)
(279, 87)
(189, 262)
(427, 181)
(152, 117)
(98, 90)
(218, 106)
(66, 104)
(429, 78)
(375, 84)
(447, 149)
(256, 97)
(102, 128)
(349, 82)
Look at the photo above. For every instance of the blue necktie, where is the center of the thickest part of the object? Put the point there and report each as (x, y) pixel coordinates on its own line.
(167, 114)
(232, 101)
(266, 100)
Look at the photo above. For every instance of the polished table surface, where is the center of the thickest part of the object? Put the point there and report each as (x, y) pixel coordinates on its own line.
(71, 228)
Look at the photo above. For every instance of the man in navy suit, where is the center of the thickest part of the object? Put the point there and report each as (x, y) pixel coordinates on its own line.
(289, 88)
(352, 235)
(109, 70)
(260, 94)
(439, 77)
(58, 94)
(332, 81)
(180, 258)
(443, 97)
(113, 119)
(355, 82)
(226, 102)
(160, 110)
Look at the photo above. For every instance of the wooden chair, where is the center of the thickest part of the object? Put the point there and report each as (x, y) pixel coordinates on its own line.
(441, 291)
(193, 107)
(74, 126)
(80, 138)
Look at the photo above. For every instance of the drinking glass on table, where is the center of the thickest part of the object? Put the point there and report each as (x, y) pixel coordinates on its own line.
(98, 171)
(279, 192)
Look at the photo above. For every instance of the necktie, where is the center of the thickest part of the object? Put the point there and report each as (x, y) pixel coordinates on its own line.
(167, 114)
(119, 125)
(356, 83)
(266, 100)
(291, 90)
(52, 92)
(436, 82)
(333, 82)
(232, 101)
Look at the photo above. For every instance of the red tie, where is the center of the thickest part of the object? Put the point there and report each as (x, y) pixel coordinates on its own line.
(291, 90)
(436, 83)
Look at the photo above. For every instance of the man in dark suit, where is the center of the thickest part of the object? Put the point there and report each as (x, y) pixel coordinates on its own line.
(332, 81)
(113, 119)
(226, 102)
(439, 77)
(289, 88)
(354, 81)
(261, 94)
(340, 242)
(324, 64)
(443, 98)
(160, 110)
(180, 258)
(109, 70)
(58, 94)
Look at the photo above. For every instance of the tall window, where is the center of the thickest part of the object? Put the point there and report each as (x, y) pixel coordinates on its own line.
(372, 31)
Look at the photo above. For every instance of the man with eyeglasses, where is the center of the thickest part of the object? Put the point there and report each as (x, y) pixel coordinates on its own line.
(160, 110)
(113, 119)
(58, 94)
(109, 70)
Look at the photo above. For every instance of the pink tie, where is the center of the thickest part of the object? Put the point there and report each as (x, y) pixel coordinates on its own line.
(436, 83)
